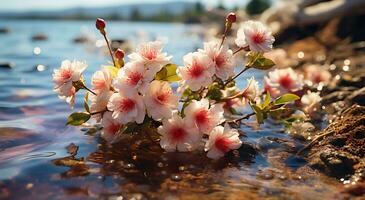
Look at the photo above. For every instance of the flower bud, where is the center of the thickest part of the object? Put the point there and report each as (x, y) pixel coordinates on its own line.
(100, 24)
(231, 17)
(119, 54)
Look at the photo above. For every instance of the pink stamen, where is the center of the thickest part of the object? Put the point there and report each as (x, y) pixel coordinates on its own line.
(258, 38)
(219, 60)
(202, 117)
(134, 78)
(66, 74)
(149, 53)
(113, 128)
(127, 105)
(162, 97)
(177, 134)
(286, 81)
(222, 144)
(196, 70)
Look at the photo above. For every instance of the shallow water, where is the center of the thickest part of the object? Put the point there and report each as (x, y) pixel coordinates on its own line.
(33, 135)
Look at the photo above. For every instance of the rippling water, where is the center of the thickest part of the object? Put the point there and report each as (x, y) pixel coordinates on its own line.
(33, 132)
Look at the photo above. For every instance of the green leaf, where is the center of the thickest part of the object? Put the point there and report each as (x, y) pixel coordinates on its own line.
(258, 112)
(168, 73)
(277, 113)
(78, 118)
(113, 71)
(258, 61)
(266, 101)
(286, 98)
(86, 105)
(214, 92)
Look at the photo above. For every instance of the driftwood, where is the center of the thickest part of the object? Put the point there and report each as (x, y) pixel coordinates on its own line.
(289, 13)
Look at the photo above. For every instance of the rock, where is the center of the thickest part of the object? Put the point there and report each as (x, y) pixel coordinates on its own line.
(341, 152)
(356, 79)
(39, 37)
(80, 39)
(335, 96)
(7, 65)
(357, 97)
(4, 30)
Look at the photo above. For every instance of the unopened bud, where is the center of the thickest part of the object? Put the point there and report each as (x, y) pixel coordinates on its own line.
(100, 24)
(231, 17)
(119, 54)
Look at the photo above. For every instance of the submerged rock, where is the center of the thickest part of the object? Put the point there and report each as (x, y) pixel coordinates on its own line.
(4, 30)
(40, 37)
(341, 152)
(7, 65)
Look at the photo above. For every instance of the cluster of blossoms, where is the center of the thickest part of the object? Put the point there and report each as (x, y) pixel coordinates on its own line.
(139, 93)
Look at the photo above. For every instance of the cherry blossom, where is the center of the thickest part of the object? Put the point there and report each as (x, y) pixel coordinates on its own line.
(160, 100)
(310, 103)
(221, 140)
(317, 74)
(101, 81)
(222, 58)
(151, 55)
(282, 81)
(199, 114)
(232, 104)
(98, 103)
(132, 78)
(65, 76)
(198, 70)
(255, 35)
(178, 135)
(127, 108)
(110, 128)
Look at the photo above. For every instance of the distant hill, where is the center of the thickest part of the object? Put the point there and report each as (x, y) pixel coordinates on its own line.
(119, 11)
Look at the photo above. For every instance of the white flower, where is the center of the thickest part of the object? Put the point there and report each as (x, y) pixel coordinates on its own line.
(151, 55)
(110, 128)
(176, 134)
(255, 35)
(160, 100)
(222, 58)
(221, 140)
(198, 70)
(235, 103)
(127, 108)
(132, 78)
(316, 74)
(99, 103)
(310, 102)
(63, 78)
(281, 81)
(101, 81)
(199, 114)
(252, 91)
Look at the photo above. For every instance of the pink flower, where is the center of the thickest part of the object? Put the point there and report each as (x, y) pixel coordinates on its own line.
(310, 103)
(132, 78)
(222, 58)
(316, 74)
(282, 81)
(221, 140)
(99, 103)
(150, 54)
(64, 77)
(235, 103)
(111, 128)
(101, 81)
(176, 134)
(198, 114)
(255, 35)
(127, 108)
(198, 70)
(160, 100)
(252, 91)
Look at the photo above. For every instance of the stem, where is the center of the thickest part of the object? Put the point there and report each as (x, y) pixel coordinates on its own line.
(110, 49)
(238, 50)
(98, 112)
(86, 88)
(247, 116)
(237, 75)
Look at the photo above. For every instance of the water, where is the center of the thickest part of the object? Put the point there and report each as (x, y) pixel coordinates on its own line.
(33, 135)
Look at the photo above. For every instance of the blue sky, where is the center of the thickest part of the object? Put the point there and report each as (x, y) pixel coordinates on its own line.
(11, 5)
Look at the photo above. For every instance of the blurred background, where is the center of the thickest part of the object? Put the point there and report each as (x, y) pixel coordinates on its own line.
(36, 35)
